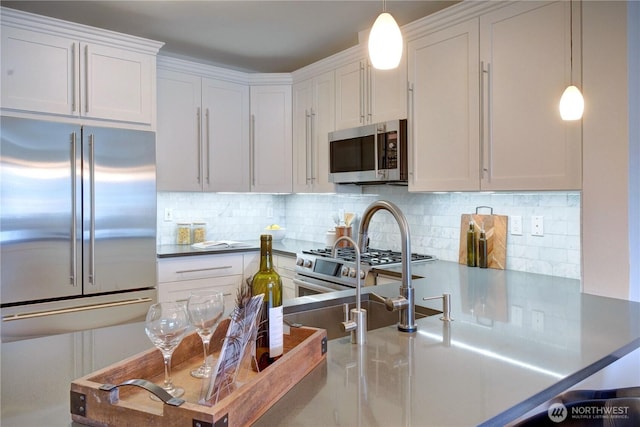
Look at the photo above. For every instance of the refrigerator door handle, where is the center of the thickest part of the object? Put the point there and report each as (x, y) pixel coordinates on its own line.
(74, 218)
(92, 210)
(35, 314)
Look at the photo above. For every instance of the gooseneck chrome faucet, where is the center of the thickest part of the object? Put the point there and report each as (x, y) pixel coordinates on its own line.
(405, 303)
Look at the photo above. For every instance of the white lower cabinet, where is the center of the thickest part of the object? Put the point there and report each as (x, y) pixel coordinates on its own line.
(286, 266)
(179, 276)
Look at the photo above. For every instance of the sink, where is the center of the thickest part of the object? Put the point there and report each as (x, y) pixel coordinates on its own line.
(329, 315)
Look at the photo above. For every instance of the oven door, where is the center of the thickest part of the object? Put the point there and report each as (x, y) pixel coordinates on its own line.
(309, 286)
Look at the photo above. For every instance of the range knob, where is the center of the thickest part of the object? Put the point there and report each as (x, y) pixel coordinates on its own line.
(352, 272)
(345, 271)
(302, 262)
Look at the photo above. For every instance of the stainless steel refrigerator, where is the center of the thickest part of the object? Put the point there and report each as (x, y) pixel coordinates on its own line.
(77, 226)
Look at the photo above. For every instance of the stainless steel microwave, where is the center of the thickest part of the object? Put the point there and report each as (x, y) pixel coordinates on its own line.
(375, 153)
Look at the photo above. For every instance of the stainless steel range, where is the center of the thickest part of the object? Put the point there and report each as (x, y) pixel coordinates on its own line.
(318, 272)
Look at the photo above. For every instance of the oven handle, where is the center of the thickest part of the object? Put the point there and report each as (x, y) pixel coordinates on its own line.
(311, 286)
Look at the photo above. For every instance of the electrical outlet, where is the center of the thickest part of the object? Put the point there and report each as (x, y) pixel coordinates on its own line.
(269, 212)
(537, 320)
(168, 214)
(537, 225)
(516, 225)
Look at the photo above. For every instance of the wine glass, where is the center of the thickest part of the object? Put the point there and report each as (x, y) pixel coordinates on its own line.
(205, 309)
(166, 325)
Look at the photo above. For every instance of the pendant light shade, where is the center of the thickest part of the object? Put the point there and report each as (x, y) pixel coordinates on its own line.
(571, 104)
(385, 43)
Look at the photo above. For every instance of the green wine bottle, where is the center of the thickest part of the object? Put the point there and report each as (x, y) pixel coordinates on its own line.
(267, 281)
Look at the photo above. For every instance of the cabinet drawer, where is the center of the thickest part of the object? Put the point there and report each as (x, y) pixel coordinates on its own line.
(175, 291)
(198, 267)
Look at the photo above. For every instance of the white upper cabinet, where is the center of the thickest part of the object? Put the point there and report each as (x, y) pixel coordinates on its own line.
(525, 51)
(226, 135)
(54, 67)
(271, 146)
(178, 139)
(365, 95)
(484, 98)
(444, 113)
(313, 119)
(203, 133)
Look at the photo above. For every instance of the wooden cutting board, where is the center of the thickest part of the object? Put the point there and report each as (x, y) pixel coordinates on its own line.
(495, 227)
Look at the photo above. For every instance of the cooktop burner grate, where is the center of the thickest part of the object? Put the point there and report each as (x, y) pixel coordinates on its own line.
(371, 257)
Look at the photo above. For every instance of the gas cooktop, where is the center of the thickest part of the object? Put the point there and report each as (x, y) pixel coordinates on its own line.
(372, 257)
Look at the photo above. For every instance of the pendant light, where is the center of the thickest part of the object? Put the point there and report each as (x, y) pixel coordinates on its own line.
(385, 42)
(571, 102)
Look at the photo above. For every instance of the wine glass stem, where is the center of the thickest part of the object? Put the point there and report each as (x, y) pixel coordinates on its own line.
(168, 385)
(205, 346)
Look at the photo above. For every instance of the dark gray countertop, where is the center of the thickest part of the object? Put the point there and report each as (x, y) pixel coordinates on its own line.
(517, 340)
(287, 247)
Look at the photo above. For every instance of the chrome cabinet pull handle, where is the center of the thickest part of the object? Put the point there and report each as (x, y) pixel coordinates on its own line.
(92, 201)
(196, 270)
(36, 314)
(199, 144)
(74, 219)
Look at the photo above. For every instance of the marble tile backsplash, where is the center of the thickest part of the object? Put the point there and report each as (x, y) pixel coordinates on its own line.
(434, 221)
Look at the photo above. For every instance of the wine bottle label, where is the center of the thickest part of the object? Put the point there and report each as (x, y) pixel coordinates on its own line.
(276, 339)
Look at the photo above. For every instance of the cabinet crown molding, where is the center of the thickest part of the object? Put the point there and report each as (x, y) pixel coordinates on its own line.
(58, 27)
(201, 70)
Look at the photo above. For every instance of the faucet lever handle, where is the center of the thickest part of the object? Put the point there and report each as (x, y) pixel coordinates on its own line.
(446, 306)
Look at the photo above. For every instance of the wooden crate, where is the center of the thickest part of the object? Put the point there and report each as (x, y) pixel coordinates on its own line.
(254, 394)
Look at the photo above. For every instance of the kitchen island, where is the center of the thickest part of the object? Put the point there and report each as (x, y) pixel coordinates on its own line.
(517, 340)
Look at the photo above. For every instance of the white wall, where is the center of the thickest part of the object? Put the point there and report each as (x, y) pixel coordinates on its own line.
(605, 221)
(633, 29)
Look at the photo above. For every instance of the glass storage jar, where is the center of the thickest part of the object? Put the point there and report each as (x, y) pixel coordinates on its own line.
(199, 231)
(183, 233)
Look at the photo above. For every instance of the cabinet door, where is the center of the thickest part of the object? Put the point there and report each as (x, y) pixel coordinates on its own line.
(39, 72)
(225, 135)
(271, 156)
(302, 109)
(313, 119)
(350, 95)
(178, 139)
(116, 84)
(444, 84)
(526, 54)
(387, 94)
(286, 268)
(322, 122)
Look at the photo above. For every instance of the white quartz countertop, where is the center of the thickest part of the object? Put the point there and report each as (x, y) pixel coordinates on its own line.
(517, 340)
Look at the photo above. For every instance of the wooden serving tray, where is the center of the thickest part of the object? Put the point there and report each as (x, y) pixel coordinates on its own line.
(254, 394)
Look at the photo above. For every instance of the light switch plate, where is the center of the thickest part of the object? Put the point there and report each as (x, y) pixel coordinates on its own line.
(516, 225)
(168, 214)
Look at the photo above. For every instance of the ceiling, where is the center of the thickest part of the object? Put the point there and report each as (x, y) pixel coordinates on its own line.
(253, 36)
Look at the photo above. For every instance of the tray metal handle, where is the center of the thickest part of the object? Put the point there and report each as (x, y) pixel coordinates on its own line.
(484, 207)
(155, 389)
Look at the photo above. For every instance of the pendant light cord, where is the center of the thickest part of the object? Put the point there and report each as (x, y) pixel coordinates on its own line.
(571, 37)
